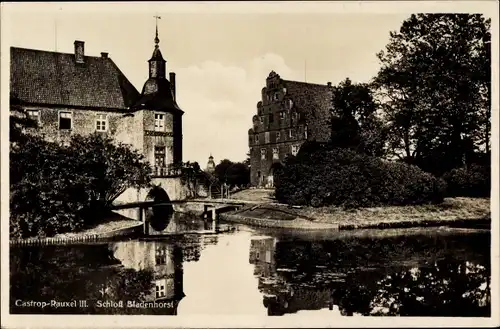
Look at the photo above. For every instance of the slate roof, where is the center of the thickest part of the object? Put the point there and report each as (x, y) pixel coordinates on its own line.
(157, 96)
(313, 99)
(51, 78)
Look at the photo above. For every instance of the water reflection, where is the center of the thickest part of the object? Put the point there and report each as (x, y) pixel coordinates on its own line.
(161, 224)
(422, 275)
(129, 277)
(246, 272)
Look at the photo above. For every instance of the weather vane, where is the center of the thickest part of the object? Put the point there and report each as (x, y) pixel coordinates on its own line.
(157, 40)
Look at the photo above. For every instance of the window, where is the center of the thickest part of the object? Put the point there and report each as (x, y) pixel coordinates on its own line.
(278, 135)
(160, 156)
(276, 154)
(160, 255)
(290, 103)
(160, 290)
(282, 115)
(276, 96)
(294, 116)
(65, 120)
(305, 132)
(101, 122)
(290, 133)
(295, 149)
(261, 119)
(271, 118)
(266, 136)
(263, 154)
(159, 122)
(33, 115)
(256, 138)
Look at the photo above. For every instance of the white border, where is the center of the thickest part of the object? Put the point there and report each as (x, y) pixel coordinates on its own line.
(489, 8)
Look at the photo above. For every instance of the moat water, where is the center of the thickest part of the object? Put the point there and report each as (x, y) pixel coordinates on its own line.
(411, 272)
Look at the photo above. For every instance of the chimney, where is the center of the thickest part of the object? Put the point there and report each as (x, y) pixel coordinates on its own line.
(172, 83)
(329, 84)
(104, 55)
(79, 51)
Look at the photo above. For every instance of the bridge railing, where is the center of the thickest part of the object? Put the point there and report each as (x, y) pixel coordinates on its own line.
(167, 171)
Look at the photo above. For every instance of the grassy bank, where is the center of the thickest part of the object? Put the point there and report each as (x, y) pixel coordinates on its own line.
(459, 211)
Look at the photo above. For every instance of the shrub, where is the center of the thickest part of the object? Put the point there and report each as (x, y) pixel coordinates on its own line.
(322, 175)
(57, 189)
(474, 181)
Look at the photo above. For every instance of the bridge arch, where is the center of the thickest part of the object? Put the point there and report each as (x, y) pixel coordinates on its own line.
(159, 216)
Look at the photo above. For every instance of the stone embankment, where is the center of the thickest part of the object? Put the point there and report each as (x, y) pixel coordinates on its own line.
(107, 230)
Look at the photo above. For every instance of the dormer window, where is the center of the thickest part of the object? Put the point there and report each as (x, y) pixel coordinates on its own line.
(159, 122)
(276, 96)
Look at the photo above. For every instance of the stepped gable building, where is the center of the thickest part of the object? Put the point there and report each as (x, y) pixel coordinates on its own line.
(79, 94)
(290, 113)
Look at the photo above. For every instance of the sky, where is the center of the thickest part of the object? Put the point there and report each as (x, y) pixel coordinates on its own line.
(221, 54)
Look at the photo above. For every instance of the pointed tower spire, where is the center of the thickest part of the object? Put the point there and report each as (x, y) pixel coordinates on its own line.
(157, 65)
(157, 40)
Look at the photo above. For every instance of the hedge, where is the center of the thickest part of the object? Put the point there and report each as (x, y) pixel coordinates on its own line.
(321, 176)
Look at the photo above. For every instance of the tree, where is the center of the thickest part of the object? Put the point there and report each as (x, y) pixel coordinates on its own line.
(434, 86)
(56, 189)
(192, 175)
(232, 173)
(355, 124)
(110, 167)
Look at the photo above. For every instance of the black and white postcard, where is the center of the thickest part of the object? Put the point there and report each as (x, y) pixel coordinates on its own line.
(250, 164)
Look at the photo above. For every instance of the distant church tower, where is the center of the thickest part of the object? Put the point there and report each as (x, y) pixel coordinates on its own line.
(162, 117)
(210, 164)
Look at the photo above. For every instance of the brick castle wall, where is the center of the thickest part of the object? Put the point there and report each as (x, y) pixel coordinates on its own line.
(288, 114)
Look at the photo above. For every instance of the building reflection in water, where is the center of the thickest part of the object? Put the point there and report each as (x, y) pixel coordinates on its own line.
(163, 260)
(277, 293)
(175, 223)
(371, 277)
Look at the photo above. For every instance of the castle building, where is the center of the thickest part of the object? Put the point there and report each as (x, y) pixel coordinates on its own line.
(210, 165)
(289, 113)
(164, 261)
(75, 93)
